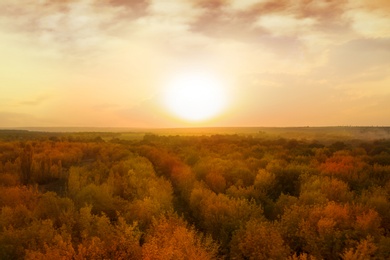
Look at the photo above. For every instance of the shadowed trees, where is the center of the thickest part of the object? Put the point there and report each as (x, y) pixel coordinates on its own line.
(26, 159)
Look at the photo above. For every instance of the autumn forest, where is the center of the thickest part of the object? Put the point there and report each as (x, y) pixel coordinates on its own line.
(218, 196)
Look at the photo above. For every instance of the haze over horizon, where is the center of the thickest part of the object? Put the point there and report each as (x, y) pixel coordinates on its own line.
(117, 63)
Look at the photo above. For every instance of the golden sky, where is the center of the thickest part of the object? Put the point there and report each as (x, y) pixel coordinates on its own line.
(109, 62)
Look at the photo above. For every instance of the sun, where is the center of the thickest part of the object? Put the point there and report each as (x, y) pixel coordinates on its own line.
(195, 96)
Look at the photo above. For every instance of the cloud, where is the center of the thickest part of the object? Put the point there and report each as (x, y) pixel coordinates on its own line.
(370, 24)
(381, 5)
(285, 24)
(87, 27)
(357, 59)
(220, 19)
(325, 10)
(35, 102)
(211, 4)
(72, 26)
(137, 7)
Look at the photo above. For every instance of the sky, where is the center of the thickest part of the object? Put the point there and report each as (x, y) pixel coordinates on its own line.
(109, 63)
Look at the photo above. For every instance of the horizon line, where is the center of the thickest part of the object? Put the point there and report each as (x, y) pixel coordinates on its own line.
(142, 129)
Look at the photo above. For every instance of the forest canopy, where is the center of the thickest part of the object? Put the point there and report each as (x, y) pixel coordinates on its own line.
(194, 196)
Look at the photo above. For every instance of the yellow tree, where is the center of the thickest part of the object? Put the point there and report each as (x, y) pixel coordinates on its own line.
(171, 238)
(258, 240)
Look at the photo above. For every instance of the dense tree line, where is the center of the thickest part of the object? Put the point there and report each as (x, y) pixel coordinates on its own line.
(193, 197)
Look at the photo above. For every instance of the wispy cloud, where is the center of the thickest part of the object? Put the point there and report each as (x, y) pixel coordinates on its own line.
(73, 26)
(35, 102)
(81, 26)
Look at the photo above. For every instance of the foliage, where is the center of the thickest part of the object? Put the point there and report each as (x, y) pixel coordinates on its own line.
(97, 196)
(258, 240)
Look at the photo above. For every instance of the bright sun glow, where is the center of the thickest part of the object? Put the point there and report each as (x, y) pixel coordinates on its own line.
(195, 96)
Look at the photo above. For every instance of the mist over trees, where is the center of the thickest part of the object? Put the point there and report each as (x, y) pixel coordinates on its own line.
(91, 196)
